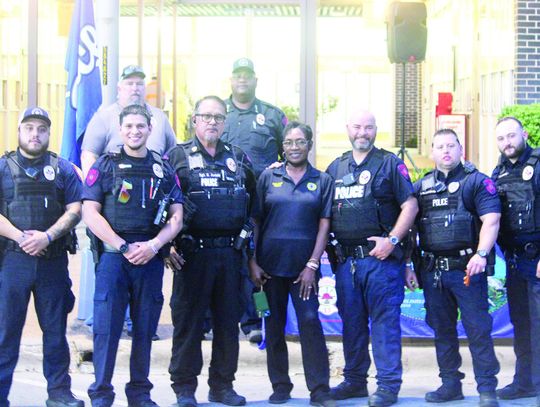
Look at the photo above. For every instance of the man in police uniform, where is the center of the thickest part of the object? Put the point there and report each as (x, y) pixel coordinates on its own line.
(124, 194)
(40, 205)
(257, 128)
(457, 227)
(372, 212)
(218, 179)
(518, 180)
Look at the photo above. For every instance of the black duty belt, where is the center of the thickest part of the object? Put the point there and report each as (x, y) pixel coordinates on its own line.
(530, 250)
(215, 242)
(53, 250)
(358, 252)
(447, 263)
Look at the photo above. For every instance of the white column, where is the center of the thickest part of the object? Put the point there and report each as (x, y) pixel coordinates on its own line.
(107, 25)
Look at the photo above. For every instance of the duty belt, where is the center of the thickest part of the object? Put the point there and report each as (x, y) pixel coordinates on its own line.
(215, 242)
(53, 250)
(358, 252)
(530, 250)
(447, 263)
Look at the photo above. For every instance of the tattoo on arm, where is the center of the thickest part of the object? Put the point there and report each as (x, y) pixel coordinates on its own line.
(63, 225)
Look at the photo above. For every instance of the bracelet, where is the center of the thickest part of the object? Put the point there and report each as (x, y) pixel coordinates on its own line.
(48, 237)
(312, 265)
(152, 246)
(410, 265)
(313, 260)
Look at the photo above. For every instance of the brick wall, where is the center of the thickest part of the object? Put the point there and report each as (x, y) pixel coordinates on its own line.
(413, 104)
(527, 72)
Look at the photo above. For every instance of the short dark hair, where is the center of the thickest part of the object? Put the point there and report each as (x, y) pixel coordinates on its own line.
(304, 128)
(445, 131)
(507, 118)
(210, 97)
(136, 109)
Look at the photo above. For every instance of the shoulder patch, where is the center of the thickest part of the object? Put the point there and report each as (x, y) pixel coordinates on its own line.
(92, 176)
(490, 186)
(403, 170)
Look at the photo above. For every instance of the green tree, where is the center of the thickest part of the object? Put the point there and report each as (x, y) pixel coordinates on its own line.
(529, 115)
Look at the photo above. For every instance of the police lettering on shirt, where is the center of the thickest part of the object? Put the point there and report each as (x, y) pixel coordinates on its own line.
(353, 191)
(439, 202)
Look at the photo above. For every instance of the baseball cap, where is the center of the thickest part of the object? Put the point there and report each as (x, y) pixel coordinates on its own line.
(131, 70)
(35, 113)
(243, 63)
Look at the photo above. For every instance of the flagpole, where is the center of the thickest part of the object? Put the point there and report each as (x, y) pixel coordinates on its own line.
(107, 23)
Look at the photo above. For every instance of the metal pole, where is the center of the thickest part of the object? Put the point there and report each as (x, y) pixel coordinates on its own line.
(107, 16)
(159, 54)
(140, 18)
(33, 52)
(174, 67)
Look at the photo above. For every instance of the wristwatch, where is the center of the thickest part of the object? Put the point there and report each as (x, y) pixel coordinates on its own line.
(393, 239)
(482, 253)
(123, 248)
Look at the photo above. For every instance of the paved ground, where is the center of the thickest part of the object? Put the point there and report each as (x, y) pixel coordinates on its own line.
(420, 372)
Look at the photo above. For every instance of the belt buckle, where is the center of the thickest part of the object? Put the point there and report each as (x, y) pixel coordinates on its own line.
(359, 252)
(442, 264)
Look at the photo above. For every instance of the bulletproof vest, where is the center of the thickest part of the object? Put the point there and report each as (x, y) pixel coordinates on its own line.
(134, 179)
(356, 214)
(219, 194)
(37, 203)
(519, 198)
(445, 224)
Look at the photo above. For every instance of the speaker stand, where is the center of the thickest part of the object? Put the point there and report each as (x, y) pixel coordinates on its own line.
(402, 150)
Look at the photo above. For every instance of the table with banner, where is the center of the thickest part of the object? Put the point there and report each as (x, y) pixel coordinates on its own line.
(413, 313)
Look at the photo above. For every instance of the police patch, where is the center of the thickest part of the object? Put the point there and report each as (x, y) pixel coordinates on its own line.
(48, 171)
(364, 177)
(260, 119)
(453, 187)
(311, 186)
(92, 176)
(277, 184)
(402, 168)
(158, 171)
(231, 164)
(527, 173)
(490, 186)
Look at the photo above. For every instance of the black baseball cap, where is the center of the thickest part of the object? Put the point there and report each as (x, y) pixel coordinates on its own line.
(35, 113)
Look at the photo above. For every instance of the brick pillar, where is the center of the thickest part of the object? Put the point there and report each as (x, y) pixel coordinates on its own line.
(413, 104)
(527, 71)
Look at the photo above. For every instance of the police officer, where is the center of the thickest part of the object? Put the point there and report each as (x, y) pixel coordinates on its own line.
(217, 179)
(257, 128)
(372, 211)
(40, 204)
(125, 200)
(518, 180)
(457, 226)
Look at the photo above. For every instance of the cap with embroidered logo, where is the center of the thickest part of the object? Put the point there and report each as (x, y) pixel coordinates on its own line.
(243, 63)
(132, 70)
(35, 113)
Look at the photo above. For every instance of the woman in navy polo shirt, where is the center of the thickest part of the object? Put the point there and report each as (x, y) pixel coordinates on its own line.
(292, 215)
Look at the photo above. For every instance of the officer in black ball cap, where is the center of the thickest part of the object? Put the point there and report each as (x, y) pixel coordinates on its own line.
(132, 203)
(39, 204)
(217, 178)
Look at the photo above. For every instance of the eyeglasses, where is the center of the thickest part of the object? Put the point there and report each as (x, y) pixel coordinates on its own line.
(207, 118)
(298, 143)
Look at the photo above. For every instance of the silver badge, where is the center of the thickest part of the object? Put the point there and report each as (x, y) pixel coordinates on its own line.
(48, 171)
(364, 177)
(260, 119)
(527, 173)
(453, 187)
(158, 171)
(231, 164)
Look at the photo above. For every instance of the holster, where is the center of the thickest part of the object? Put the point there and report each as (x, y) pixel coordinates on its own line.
(96, 246)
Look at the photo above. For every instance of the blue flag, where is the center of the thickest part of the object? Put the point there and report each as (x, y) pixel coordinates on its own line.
(83, 91)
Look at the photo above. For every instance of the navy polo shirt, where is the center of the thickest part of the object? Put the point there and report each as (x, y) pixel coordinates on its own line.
(392, 182)
(289, 216)
(67, 180)
(479, 192)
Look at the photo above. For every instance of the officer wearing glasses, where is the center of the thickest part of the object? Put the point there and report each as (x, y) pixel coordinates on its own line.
(218, 179)
(293, 210)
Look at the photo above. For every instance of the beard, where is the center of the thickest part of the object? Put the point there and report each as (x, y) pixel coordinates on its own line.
(34, 151)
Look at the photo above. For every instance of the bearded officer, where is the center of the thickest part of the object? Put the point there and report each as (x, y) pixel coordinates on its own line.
(40, 196)
(132, 203)
(518, 180)
(373, 209)
(457, 228)
(218, 179)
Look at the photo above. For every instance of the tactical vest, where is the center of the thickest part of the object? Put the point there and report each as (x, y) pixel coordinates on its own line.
(445, 224)
(356, 214)
(520, 201)
(219, 194)
(136, 216)
(37, 203)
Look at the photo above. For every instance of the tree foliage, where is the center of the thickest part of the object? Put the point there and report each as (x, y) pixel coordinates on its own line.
(529, 115)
